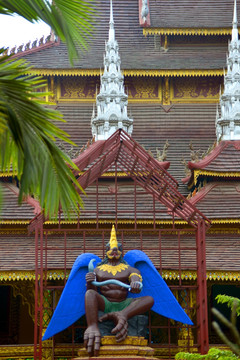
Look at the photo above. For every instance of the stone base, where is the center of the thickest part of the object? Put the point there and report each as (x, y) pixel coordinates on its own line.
(132, 347)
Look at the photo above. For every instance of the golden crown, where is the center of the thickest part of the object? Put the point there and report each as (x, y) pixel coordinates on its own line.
(113, 239)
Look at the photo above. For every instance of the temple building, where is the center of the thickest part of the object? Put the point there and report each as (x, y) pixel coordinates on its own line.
(154, 108)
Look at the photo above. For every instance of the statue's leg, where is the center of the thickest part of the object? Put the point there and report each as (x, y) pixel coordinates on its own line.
(138, 306)
(92, 335)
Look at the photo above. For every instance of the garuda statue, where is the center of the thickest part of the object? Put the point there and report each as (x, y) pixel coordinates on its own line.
(120, 287)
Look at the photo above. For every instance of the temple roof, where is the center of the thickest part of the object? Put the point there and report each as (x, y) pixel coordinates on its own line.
(152, 127)
(225, 157)
(136, 50)
(191, 14)
(222, 251)
(218, 198)
(12, 210)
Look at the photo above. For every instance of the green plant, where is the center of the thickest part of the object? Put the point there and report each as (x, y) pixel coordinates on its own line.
(213, 354)
(225, 299)
(231, 325)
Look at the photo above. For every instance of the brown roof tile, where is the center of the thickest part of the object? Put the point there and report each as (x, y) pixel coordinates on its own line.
(136, 50)
(152, 126)
(12, 210)
(218, 200)
(225, 157)
(20, 255)
(192, 14)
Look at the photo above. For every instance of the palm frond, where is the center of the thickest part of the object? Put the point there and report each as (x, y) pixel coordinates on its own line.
(28, 141)
(71, 20)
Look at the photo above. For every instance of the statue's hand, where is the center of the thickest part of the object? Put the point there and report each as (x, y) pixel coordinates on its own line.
(90, 276)
(92, 339)
(135, 287)
(121, 323)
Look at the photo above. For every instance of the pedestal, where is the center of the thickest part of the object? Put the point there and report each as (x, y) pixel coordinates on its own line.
(133, 347)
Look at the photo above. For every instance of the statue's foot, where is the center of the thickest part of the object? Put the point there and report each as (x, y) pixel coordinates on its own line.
(121, 323)
(92, 339)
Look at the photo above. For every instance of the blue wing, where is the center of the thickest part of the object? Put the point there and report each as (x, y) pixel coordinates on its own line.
(165, 303)
(71, 304)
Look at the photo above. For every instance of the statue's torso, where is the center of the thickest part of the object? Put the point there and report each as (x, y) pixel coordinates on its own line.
(119, 272)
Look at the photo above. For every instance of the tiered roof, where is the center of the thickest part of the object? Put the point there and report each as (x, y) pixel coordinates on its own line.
(138, 52)
(204, 14)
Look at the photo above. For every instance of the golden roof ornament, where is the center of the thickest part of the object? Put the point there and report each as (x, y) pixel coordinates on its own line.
(113, 239)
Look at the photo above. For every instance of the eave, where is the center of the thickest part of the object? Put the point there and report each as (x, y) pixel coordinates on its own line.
(29, 275)
(226, 174)
(187, 31)
(128, 72)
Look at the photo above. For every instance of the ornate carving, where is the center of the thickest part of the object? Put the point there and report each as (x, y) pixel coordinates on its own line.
(77, 88)
(19, 351)
(142, 88)
(47, 352)
(166, 91)
(199, 89)
(162, 156)
(27, 293)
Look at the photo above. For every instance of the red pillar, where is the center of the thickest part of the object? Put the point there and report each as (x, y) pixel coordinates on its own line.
(202, 309)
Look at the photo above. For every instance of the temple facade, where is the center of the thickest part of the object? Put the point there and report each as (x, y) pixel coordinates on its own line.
(153, 106)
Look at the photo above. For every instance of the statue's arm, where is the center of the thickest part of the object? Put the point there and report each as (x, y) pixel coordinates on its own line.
(135, 279)
(91, 276)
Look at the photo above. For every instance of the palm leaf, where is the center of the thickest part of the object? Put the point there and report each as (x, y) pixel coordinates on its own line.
(71, 20)
(28, 141)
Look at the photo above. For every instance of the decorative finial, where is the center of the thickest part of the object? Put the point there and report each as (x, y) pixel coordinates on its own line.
(228, 120)
(111, 24)
(113, 239)
(235, 23)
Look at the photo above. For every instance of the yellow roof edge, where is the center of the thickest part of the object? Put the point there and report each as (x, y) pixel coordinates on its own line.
(23, 275)
(129, 72)
(186, 31)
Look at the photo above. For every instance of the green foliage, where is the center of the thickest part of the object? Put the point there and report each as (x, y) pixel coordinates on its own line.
(229, 300)
(231, 325)
(213, 354)
(70, 20)
(28, 141)
(27, 131)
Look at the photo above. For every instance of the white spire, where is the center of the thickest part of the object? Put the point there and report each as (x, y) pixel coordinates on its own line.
(111, 33)
(235, 23)
(112, 99)
(228, 122)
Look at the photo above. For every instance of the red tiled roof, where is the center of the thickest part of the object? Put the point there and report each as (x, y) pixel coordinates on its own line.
(225, 157)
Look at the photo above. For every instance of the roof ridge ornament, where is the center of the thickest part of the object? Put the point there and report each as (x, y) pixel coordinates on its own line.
(111, 100)
(228, 121)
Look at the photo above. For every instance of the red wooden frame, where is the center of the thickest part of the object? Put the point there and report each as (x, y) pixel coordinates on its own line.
(121, 153)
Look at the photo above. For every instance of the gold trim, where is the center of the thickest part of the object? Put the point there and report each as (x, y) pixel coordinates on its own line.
(187, 31)
(96, 72)
(124, 222)
(8, 173)
(16, 352)
(113, 269)
(171, 73)
(108, 174)
(166, 274)
(14, 222)
(30, 275)
(197, 173)
(225, 221)
(135, 274)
